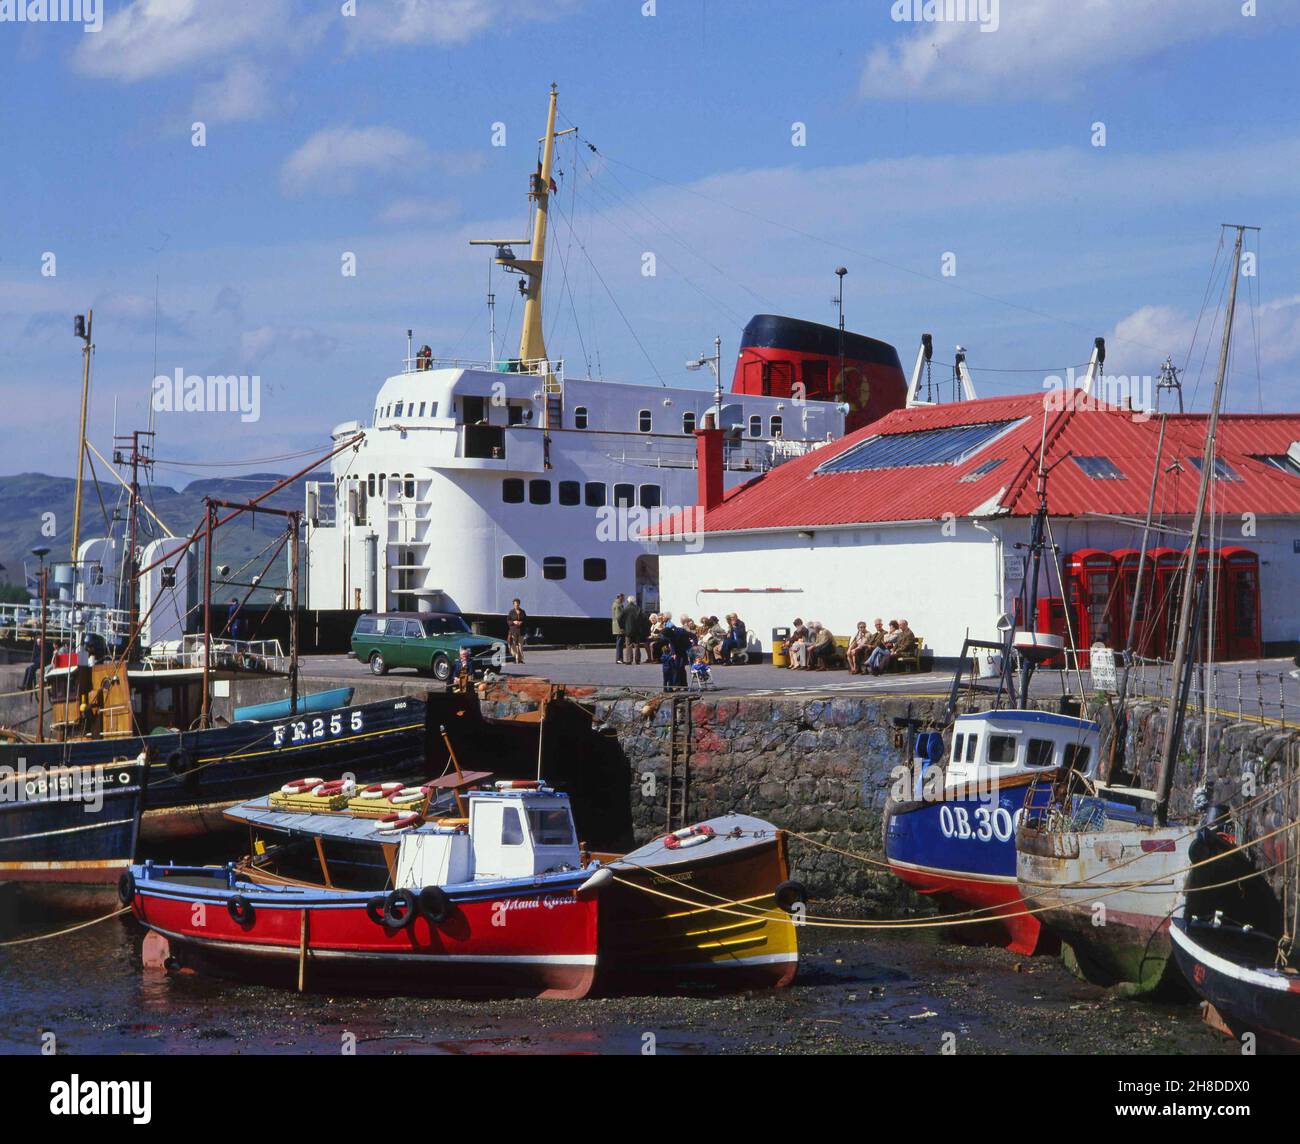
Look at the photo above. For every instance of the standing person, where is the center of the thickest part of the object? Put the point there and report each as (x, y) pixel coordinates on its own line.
(681, 640)
(643, 635)
(232, 619)
(630, 624)
(616, 625)
(515, 631)
(667, 655)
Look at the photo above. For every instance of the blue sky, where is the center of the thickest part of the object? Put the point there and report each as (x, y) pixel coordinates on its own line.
(371, 133)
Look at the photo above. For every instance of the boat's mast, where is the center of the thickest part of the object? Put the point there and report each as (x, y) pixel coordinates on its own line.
(1037, 541)
(295, 525)
(532, 346)
(83, 331)
(1174, 715)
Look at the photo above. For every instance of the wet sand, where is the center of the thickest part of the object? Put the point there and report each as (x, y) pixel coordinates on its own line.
(876, 994)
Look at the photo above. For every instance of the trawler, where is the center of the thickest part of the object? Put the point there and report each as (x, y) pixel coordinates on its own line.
(478, 482)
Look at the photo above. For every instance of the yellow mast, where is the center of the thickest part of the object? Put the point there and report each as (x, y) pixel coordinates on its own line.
(81, 436)
(532, 346)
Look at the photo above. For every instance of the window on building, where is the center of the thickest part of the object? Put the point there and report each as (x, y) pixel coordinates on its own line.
(644, 421)
(570, 492)
(512, 490)
(651, 496)
(579, 416)
(1040, 753)
(593, 568)
(1282, 462)
(595, 494)
(778, 425)
(513, 567)
(554, 568)
(947, 446)
(688, 421)
(1100, 468)
(1002, 748)
(981, 469)
(1222, 470)
(539, 492)
(755, 425)
(624, 496)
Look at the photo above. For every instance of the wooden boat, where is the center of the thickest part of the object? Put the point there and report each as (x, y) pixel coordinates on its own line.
(1235, 969)
(494, 897)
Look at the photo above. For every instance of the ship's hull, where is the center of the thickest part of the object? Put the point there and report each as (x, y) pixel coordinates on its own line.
(962, 851)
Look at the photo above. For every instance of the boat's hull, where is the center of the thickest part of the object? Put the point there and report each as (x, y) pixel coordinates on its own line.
(67, 834)
(962, 851)
(1109, 894)
(1234, 972)
(526, 942)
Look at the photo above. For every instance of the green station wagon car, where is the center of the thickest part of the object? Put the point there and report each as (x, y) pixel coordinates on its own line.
(427, 641)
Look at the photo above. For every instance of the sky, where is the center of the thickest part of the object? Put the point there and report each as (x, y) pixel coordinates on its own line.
(1017, 181)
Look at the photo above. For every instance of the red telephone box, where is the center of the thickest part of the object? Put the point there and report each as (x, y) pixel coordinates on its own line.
(1210, 564)
(1239, 568)
(1051, 621)
(1148, 624)
(1167, 566)
(1091, 587)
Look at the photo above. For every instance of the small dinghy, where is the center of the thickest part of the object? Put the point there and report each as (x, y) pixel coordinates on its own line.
(454, 890)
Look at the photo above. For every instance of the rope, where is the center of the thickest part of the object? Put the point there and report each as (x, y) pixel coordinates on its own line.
(70, 929)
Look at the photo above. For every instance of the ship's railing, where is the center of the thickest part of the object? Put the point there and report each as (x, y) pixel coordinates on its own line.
(534, 367)
(227, 655)
(745, 454)
(65, 622)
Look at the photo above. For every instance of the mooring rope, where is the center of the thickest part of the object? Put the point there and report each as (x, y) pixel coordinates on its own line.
(70, 929)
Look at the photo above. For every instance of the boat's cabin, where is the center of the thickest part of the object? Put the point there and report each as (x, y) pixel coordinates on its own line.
(996, 745)
(512, 833)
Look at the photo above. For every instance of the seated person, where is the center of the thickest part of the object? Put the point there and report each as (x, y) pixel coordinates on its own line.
(796, 647)
(879, 659)
(905, 645)
(463, 673)
(823, 648)
(737, 638)
(711, 638)
(858, 648)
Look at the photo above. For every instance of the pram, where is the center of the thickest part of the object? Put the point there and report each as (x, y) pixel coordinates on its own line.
(698, 677)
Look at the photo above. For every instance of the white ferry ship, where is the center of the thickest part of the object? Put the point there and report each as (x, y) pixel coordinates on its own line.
(475, 482)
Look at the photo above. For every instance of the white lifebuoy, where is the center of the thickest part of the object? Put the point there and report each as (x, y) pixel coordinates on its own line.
(407, 795)
(300, 786)
(688, 836)
(391, 823)
(381, 790)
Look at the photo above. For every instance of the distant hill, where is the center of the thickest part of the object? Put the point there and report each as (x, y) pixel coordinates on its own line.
(26, 498)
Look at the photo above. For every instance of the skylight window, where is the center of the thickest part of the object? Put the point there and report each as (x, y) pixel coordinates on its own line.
(1280, 461)
(982, 469)
(1100, 468)
(1222, 470)
(947, 446)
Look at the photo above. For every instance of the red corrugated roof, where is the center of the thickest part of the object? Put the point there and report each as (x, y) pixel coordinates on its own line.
(796, 495)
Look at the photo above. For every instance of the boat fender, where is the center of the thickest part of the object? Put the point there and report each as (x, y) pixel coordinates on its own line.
(399, 909)
(518, 784)
(180, 761)
(790, 894)
(241, 909)
(300, 786)
(375, 910)
(592, 885)
(435, 904)
(126, 888)
(689, 836)
(391, 823)
(380, 790)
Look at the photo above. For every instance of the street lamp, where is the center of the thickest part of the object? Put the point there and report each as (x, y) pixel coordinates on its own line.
(715, 364)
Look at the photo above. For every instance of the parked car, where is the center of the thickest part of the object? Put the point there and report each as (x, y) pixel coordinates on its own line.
(430, 642)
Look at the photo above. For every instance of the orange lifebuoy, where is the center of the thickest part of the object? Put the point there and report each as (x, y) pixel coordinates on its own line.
(690, 836)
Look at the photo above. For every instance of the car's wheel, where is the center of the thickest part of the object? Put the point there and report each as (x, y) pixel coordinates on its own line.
(441, 668)
(377, 664)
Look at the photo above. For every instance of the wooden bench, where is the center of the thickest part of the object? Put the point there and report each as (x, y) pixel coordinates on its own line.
(909, 662)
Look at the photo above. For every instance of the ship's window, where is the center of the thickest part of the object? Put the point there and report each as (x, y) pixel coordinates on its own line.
(512, 827)
(370, 484)
(512, 490)
(410, 485)
(595, 494)
(651, 497)
(624, 496)
(550, 827)
(1040, 753)
(579, 416)
(474, 409)
(644, 421)
(755, 426)
(1099, 468)
(570, 492)
(397, 409)
(554, 568)
(1076, 757)
(422, 405)
(972, 745)
(777, 425)
(539, 492)
(514, 414)
(958, 746)
(593, 568)
(688, 421)
(381, 484)
(1002, 748)
(513, 567)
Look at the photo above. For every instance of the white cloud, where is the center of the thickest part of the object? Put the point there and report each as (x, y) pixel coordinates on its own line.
(241, 93)
(152, 38)
(419, 210)
(331, 160)
(1042, 48)
(446, 22)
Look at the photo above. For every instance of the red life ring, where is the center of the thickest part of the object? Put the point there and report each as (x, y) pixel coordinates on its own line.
(380, 790)
(391, 823)
(690, 836)
(300, 786)
(329, 789)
